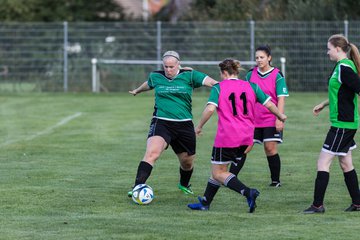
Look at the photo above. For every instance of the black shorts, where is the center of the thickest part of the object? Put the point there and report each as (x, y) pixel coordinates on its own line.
(267, 134)
(179, 135)
(227, 155)
(339, 141)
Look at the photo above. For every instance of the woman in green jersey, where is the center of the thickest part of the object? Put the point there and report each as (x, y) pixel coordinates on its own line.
(344, 86)
(172, 119)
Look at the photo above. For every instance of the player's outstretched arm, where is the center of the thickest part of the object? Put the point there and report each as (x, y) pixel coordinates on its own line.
(272, 108)
(142, 88)
(206, 115)
(317, 109)
(209, 82)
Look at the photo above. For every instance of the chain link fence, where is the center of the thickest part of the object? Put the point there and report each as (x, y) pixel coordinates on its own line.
(56, 57)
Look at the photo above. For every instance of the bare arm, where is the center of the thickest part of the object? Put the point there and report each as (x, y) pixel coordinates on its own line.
(142, 88)
(209, 82)
(206, 115)
(281, 106)
(272, 108)
(317, 109)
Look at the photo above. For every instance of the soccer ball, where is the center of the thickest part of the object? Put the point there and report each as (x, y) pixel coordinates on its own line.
(142, 194)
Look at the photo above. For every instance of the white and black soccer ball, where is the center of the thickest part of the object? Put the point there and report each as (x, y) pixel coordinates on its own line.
(142, 194)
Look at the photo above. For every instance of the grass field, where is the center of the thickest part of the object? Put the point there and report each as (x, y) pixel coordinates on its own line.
(68, 160)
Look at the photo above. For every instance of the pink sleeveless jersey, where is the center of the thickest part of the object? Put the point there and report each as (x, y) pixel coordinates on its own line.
(263, 117)
(235, 114)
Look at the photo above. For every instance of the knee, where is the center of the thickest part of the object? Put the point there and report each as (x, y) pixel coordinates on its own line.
(217, 175)
(270, 151)
(186, 161)
(187, 164)
(346, 167)
(152, 156)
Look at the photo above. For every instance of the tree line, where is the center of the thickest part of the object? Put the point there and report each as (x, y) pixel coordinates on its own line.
(191, 10)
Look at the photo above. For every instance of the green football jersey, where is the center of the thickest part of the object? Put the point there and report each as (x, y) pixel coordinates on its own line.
(343, 103)
(173, 97)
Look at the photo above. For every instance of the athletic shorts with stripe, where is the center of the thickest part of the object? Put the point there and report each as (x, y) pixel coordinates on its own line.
(339, 141)
(267, 134)
(227, 155)
(179, 135)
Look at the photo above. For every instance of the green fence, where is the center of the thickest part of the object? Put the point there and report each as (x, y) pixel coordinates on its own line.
(57, 56)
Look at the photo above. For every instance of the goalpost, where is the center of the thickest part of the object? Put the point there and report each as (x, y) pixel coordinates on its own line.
(96, 81)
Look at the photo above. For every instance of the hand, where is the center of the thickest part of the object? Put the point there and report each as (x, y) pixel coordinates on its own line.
(279, 125)
(317, 109)
(282, 117)
(248, 149)
(133, 92)
(198, 131)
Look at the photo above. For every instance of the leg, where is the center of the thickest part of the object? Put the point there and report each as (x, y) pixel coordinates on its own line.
(351, 181)
(321, 182)
(184, 145)
(274, 162)
(186, 161)
(346, 163)
(236, 167)
(221, 174)
(155, 146)
(186, 169)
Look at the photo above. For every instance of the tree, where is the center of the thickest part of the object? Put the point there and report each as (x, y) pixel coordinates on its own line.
(60, 10)
(279, 10)
(223, 10)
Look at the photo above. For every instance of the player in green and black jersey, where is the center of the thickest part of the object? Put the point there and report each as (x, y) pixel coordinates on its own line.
(344, 88)
(172, 119)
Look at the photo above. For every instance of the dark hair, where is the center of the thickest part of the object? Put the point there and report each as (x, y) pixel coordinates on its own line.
(265, 48)
(339, 40)
(232, 66)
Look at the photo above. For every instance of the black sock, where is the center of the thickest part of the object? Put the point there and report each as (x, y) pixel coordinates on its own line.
(143, 172)
(235, 168)
(210, 191)
(185, 177)
(352, 185)
(321, 182)
(236, 185)
(275, 166)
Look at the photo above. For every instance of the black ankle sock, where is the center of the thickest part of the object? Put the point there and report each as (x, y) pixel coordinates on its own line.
(236, 185)
(274, 166)
(321, 182)
(185, 177)
(235, 168)
(143, 172)
(210, 191)
(352, 185)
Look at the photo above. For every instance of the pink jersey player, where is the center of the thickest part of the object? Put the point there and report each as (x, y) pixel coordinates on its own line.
(264, 118)
(235, 109)
(234, 100)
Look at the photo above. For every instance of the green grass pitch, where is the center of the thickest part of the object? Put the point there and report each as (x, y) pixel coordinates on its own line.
(68, 160)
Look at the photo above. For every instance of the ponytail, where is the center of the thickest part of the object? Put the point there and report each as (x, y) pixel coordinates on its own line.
(355, 56)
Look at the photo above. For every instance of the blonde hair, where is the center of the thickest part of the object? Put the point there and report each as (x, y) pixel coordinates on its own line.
(232, 66)
(339, 40)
